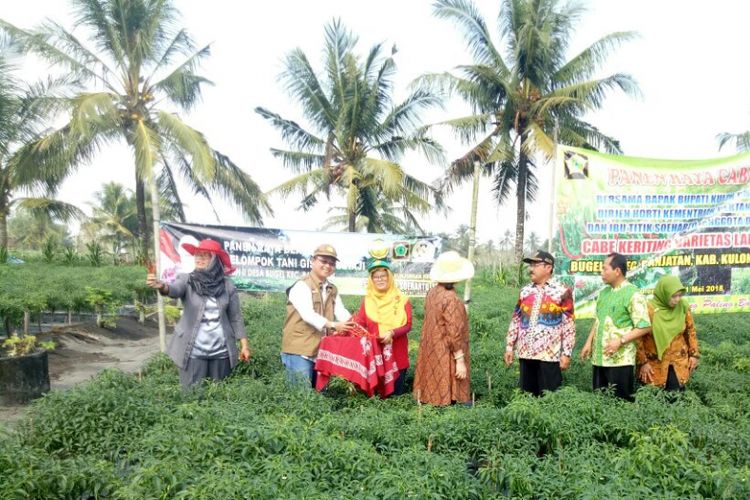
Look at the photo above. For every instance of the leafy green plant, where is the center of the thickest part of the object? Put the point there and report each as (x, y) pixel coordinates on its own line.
(70, 256)
(100, 300)
(3, 255)
(49, 249)
(16, 345)
(253, 436)
(172, 314)
(95, 254)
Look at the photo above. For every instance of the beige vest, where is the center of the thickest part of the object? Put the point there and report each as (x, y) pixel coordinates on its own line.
(300, 337)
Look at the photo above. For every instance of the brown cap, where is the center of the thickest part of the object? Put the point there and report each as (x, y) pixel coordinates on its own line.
(541, 256)
(325, 250)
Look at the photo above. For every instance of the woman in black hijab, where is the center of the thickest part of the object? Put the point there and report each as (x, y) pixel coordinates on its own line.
(204, 344)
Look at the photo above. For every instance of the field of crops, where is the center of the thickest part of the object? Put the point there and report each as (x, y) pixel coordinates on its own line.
(137, 436)
(40, 288)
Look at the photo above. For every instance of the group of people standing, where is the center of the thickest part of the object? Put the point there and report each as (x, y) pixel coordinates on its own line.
(314, 309)
(657, 336)
(654, 338)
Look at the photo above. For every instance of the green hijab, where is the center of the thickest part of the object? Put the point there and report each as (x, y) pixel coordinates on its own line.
(668, 321)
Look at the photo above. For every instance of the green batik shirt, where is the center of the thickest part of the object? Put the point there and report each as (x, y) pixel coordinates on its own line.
(618, 311)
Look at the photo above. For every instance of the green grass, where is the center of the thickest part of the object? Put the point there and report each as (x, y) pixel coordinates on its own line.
(250, 437)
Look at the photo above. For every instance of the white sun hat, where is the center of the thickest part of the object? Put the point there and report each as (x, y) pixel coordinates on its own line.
(450, 267)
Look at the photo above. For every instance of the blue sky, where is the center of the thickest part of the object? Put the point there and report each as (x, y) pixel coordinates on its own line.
(690, 61)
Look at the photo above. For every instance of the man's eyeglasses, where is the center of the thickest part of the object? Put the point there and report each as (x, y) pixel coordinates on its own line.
(328, 262)
(535, 264)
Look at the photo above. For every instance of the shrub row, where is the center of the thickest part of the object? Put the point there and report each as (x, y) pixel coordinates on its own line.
(139, 436)
(39, 287)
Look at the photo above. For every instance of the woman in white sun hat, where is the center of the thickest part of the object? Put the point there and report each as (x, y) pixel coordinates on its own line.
(442, 374)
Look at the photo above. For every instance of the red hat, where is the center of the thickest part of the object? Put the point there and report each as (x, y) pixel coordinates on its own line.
(215, 248)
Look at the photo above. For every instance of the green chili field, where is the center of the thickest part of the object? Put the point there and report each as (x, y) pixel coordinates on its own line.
(137, 436)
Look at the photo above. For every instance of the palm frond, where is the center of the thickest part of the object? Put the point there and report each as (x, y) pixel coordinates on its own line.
(394, 148)
(467, 128)
(310, 185)
(338, 43)
(43, 42)
(581, 134)
(93, 14)
(477, 36)
(183, 86)
(190, 141)
(235, 184)
(462, 168)
(583, 66)
(146, 145)
(405, 116)
(579, 98)
(292, 133)
(168, 191)
(387, 175)
(181, 44)
(56, 209)
(91, 110)
(299, 161)
(302, 84)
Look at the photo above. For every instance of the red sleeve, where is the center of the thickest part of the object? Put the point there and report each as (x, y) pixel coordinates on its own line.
(360, 317)
(403, 330)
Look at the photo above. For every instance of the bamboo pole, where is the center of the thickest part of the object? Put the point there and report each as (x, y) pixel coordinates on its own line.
(159, 299)
(551, 233)
(472, 229)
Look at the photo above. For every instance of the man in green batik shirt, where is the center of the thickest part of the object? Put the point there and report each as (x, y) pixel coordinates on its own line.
(621, 318)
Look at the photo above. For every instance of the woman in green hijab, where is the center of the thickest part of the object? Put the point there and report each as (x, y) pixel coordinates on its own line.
(669, 354)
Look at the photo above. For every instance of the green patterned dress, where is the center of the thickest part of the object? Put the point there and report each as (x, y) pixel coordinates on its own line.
(618, 311)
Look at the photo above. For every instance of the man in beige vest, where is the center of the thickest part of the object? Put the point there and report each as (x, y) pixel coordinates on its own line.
(312, 305)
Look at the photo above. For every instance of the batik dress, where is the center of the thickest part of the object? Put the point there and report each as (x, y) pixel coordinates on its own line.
(678, 353)
(445, 331)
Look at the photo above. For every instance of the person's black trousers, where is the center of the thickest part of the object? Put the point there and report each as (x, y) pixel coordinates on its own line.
(539, 376)
(622, 378)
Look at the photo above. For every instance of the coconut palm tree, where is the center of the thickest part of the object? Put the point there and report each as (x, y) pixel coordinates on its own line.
(22, 110)
(532, 242)
(520, 89)
(141, 69)
(356, 134)
(30, 229)
(506, 243)
(114, 216)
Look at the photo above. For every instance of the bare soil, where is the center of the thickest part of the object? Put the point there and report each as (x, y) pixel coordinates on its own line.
(83, 350)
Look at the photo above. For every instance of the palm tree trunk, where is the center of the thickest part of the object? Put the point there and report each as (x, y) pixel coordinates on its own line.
(4, 213)
(3, 230)
(140, 203)
(521, 185)
(352, 221)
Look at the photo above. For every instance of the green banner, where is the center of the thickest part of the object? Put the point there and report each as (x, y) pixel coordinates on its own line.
(689, 218)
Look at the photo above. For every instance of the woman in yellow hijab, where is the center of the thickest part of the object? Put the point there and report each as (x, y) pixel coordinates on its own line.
(386, 314)
(667, 356)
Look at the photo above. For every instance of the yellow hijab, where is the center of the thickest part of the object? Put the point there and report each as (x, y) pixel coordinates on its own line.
(387, 308)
